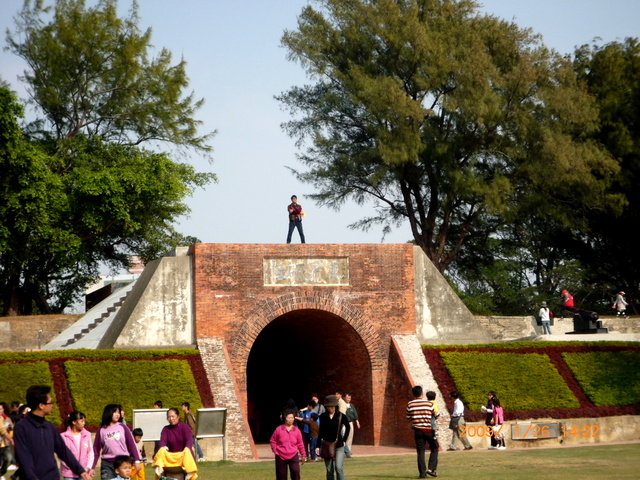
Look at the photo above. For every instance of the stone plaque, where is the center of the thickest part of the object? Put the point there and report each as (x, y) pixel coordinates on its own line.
(328, 271)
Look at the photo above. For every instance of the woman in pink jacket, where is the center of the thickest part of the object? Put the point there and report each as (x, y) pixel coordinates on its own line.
(78, 440)
(286, 443)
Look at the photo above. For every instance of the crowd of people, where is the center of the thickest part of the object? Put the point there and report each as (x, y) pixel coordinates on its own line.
(323, 430)
(317, 431)
(29, 443)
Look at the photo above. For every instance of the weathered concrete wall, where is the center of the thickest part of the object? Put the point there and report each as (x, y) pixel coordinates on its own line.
(441, 317)
(158, 311)
(513, 328)
(33, 331)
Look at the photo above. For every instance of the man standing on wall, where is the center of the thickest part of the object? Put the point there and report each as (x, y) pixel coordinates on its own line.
(420, 412)
(295, 218)
(36, 440)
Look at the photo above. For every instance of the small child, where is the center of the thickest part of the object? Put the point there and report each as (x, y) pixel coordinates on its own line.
(123, 464)
(436, 413)
(314, 429)
(139, 474)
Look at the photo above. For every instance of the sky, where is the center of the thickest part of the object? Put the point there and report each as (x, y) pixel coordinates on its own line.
(235, 62)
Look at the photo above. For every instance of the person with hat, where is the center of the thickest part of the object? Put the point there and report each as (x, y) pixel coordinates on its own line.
(545, 318)
(621, 304)
(332, 423)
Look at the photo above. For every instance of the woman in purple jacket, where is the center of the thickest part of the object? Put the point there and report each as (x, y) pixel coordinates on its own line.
(78, 440)
(113, 439)
(177, 435)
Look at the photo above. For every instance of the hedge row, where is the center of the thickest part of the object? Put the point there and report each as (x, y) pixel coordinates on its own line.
(535, 379)
(87, 380)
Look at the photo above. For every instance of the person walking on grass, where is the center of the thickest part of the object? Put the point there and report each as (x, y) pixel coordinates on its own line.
(420, 412)
(457, 421)
(286, 443)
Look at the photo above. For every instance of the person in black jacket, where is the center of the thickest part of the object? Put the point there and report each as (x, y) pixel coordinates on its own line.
(36, 440)
(334, 427)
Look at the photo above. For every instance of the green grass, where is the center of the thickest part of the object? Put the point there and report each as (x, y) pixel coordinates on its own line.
(608, 461)
(608, 378)
(522, 382)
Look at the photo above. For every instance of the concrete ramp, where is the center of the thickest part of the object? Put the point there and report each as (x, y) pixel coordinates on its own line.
(418, 372)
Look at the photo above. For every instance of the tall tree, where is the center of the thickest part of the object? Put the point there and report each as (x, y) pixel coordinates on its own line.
(92, 72)
(79, 190)
(612, 74)
(456, 121)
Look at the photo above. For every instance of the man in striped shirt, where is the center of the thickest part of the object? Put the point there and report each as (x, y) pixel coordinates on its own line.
(421, 411)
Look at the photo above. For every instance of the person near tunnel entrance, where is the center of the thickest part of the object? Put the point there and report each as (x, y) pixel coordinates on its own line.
(331, 430)
(286, 443)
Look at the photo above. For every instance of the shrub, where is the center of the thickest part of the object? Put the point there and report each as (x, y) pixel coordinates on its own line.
(607, 378)
(133, 384)
(17, 378)
(521, 381)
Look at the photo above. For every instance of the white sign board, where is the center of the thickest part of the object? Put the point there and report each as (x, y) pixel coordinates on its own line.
(151, 421)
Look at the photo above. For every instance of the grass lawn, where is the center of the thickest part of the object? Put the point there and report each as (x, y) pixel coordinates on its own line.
(606, 461)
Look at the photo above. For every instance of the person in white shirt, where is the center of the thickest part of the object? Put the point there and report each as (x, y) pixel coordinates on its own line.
(457, 421)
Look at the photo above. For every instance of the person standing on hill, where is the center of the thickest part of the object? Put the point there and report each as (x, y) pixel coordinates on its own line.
(295, 218)
(620, 304)
(545, 318)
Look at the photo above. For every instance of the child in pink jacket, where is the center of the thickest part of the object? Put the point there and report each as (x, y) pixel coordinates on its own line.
(78, 440)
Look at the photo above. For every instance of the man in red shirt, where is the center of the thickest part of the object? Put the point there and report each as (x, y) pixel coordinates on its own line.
(295, 218)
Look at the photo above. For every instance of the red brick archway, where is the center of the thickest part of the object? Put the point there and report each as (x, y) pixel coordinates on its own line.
(294, 345)
(276, 307)
(367, 291)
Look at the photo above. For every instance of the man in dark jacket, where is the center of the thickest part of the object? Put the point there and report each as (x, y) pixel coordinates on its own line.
(36, 440)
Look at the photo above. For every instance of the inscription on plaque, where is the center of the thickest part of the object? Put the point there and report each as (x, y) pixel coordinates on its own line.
(306, 271)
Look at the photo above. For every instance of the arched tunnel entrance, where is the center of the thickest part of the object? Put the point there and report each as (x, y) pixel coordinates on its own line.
(304, 352)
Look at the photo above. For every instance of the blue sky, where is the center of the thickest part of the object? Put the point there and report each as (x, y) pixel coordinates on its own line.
(235, 62)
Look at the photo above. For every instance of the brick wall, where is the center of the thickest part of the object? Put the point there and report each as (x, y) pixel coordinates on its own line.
(289, 341)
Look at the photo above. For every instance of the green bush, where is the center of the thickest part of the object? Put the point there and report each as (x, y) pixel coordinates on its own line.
(18, 377)
(521, 381)
(85, 353)
(607, 378)
(133, 384)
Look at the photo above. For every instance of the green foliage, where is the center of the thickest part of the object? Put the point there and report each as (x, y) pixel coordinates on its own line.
(81, 192)
(17, 378)
(91, 203)
(458, 122)
(133, 384)
(522, 382)
(611, 73)
(92, 72)
(90, 354)
(607, 378)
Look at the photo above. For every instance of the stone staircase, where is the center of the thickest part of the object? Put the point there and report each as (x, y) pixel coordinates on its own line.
(87, 332)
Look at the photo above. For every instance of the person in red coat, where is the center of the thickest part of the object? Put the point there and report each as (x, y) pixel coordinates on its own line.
(286, 443)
